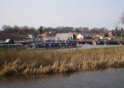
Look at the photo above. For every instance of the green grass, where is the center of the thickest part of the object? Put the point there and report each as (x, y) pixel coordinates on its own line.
(41, 61)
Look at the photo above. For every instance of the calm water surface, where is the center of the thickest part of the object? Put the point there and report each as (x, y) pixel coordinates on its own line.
(98, 79)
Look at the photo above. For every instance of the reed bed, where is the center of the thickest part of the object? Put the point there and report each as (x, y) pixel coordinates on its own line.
(40, 61)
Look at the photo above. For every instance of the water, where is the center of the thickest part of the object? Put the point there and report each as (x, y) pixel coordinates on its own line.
(86, 46)
(98, 79)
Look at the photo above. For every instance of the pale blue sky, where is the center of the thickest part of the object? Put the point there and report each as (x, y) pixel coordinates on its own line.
(53, 13)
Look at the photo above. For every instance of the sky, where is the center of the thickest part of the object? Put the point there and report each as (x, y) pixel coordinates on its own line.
(54, 13)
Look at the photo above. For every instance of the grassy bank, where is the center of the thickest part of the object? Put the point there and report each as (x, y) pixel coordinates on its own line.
(30, 62)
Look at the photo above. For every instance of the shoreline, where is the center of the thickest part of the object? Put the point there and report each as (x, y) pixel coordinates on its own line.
(15, 62)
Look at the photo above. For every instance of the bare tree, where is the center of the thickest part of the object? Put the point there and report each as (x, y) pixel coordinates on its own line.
(122, 18)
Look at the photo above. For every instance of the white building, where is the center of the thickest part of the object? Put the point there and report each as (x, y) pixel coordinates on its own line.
(80, 37)
(63, 36)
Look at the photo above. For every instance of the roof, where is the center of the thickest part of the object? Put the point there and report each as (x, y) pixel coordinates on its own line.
(63, 36)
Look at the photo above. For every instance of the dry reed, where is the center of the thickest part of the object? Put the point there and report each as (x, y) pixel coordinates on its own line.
(31, 62)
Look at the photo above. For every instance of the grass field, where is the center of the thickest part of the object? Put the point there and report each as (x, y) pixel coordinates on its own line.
(31, 61)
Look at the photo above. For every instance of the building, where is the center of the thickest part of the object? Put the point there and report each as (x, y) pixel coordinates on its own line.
(80, 37)
(63, 36)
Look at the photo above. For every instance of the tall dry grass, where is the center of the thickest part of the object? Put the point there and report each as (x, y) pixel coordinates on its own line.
(29, 62)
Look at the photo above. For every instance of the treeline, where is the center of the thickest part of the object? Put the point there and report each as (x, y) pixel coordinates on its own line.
(6, 29)
(24, 30)
(118, 32)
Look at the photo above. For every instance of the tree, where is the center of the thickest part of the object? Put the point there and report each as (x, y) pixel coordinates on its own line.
(40, 29)
(7, 29)
(74, 37)
(24, 30)
(122, 18)
(78, 30)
